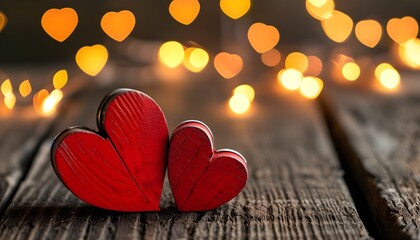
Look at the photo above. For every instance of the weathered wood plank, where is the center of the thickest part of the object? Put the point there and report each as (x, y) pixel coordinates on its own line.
(295, 187)
(21, 133)
(379, 136)
(19, 141)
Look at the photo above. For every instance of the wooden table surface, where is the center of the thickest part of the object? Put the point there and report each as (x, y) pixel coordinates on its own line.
(346, 166)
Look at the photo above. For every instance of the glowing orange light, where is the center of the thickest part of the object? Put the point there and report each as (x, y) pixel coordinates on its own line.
(228, 65)
(369, 32)
(59, 23)
(387, 76)
(171, 54)
(297, 60)
(195, 59)
(184, 11)
(318, 3)
(338, 26)
(290, 78)
(60, 79)
(314, 66)
(245, 90)
(321, 12)
(380, 68)
(271, 58)
(235, 8)
(390, 78)
(48, 106)
(92, 59)
(3, 21)
(263, 37)
(57, 94)
(351, 71)
(6, 87)
(9, 100)
(402, 30)
(118, 25)
(311, 87)
(239, 104)
(25, 88)
(409, 53)
(38, 100)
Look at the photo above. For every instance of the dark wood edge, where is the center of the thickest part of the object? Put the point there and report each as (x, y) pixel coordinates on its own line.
(57, 141)
(195, 124)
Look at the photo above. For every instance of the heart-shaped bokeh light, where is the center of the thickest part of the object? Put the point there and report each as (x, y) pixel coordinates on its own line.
(338, 26)
(368, 32)
(184, 11)
(263, 37)
(118, 25)
(91, 59)
(235, 8)
(402, 30)
(228, 65)
(59, 23)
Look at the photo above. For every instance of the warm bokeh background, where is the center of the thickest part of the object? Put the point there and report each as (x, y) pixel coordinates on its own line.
(23, 39)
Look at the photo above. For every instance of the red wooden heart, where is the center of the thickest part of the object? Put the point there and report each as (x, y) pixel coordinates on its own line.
(123, 166)
(202, 178)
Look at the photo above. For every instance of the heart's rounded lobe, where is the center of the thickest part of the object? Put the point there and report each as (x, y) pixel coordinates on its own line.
(123, 167)
(202, 178)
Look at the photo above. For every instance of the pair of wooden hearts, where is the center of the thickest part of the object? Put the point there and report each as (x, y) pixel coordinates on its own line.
(122, 167)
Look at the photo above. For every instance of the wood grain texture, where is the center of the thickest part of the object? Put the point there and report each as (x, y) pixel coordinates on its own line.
(17, 151)
(21, 133)
(201, 177)
(122, 167)
(295, 187)
(380, 136)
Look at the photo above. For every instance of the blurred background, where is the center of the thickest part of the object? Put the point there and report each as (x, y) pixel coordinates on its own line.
(298, 45)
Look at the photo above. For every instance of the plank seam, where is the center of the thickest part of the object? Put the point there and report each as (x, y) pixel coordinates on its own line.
(348, 161)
